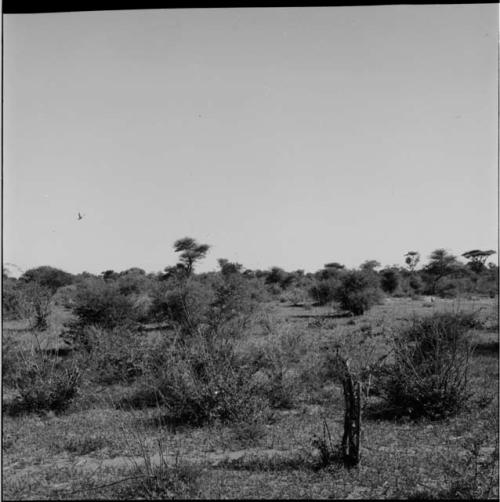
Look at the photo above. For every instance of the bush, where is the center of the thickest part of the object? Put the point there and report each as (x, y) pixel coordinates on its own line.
(47, 277)
(358, 291)
(234, 300)
(198, 381)
(35, 303)
(416, 284)
(11, 299)
(116, 356)
(101, 304)
(185, 303)
(296, 296)
(275, 365)
(429, 375)
(323, 291)
(42, 383)
(389, 280)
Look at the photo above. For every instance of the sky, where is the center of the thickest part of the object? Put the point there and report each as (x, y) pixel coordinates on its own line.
(286, 137)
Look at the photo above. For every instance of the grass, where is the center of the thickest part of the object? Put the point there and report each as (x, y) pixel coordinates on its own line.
(43, 454)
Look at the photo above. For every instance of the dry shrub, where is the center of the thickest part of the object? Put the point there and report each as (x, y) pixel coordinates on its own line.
(276, 368)
(431, 362)
(42, 382)
(198, 381)
(114, 355)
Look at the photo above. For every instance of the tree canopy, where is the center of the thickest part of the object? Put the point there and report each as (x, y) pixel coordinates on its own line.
(48, 277)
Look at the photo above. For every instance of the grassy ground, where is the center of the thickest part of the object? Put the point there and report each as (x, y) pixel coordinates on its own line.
(91, 451)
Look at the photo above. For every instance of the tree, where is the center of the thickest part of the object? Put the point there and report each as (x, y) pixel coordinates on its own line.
(358, 291)
(477, 259)
(441, 264)
(411, 259)
(278, 276)
(334, 265)
(48, 277)
(227, 267)
(190, 252)
(389, 279)
(369, 265)
(109, 275)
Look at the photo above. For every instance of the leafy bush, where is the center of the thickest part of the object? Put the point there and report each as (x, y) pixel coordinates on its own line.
(47, 277)
(323, 291)
(101, 304)
(358, 291)
(415, 284)
(132, 281)
(431, 361)
(42, 383)
(279, 277)
(389, 280)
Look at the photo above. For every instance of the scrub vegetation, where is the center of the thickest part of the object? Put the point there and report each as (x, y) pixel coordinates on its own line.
(365, 383)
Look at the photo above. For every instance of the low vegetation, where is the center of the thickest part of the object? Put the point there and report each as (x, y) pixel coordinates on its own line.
(226, 384)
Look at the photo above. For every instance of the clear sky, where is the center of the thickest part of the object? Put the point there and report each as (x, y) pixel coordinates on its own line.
(281, 136)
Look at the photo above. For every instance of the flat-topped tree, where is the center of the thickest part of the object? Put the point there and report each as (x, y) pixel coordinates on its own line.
(190, 252)
(334, 265)
(477, 258)
(369, 265)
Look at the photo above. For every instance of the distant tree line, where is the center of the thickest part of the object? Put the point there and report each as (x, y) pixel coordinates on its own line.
(115, 295)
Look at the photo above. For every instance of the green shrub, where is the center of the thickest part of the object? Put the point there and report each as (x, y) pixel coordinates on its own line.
(47, 277)
(42, 383)
(389, 280)
(101, 304)
(358, 291)
(323, 291)
(431, 361)
(416, 284)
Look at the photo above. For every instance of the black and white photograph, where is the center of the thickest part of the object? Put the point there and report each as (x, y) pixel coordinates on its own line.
(250, 252)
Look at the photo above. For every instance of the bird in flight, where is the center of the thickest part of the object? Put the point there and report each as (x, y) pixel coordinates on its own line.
(80, 216)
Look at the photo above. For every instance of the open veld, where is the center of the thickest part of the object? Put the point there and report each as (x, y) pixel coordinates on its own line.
(99, 448)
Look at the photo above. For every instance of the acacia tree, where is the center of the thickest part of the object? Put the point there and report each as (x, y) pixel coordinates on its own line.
(441, 264)
(369, 265)
(190, 252)
(334, 265)
(477, 258)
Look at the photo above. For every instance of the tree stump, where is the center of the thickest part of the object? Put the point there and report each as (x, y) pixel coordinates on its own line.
(352, 414)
